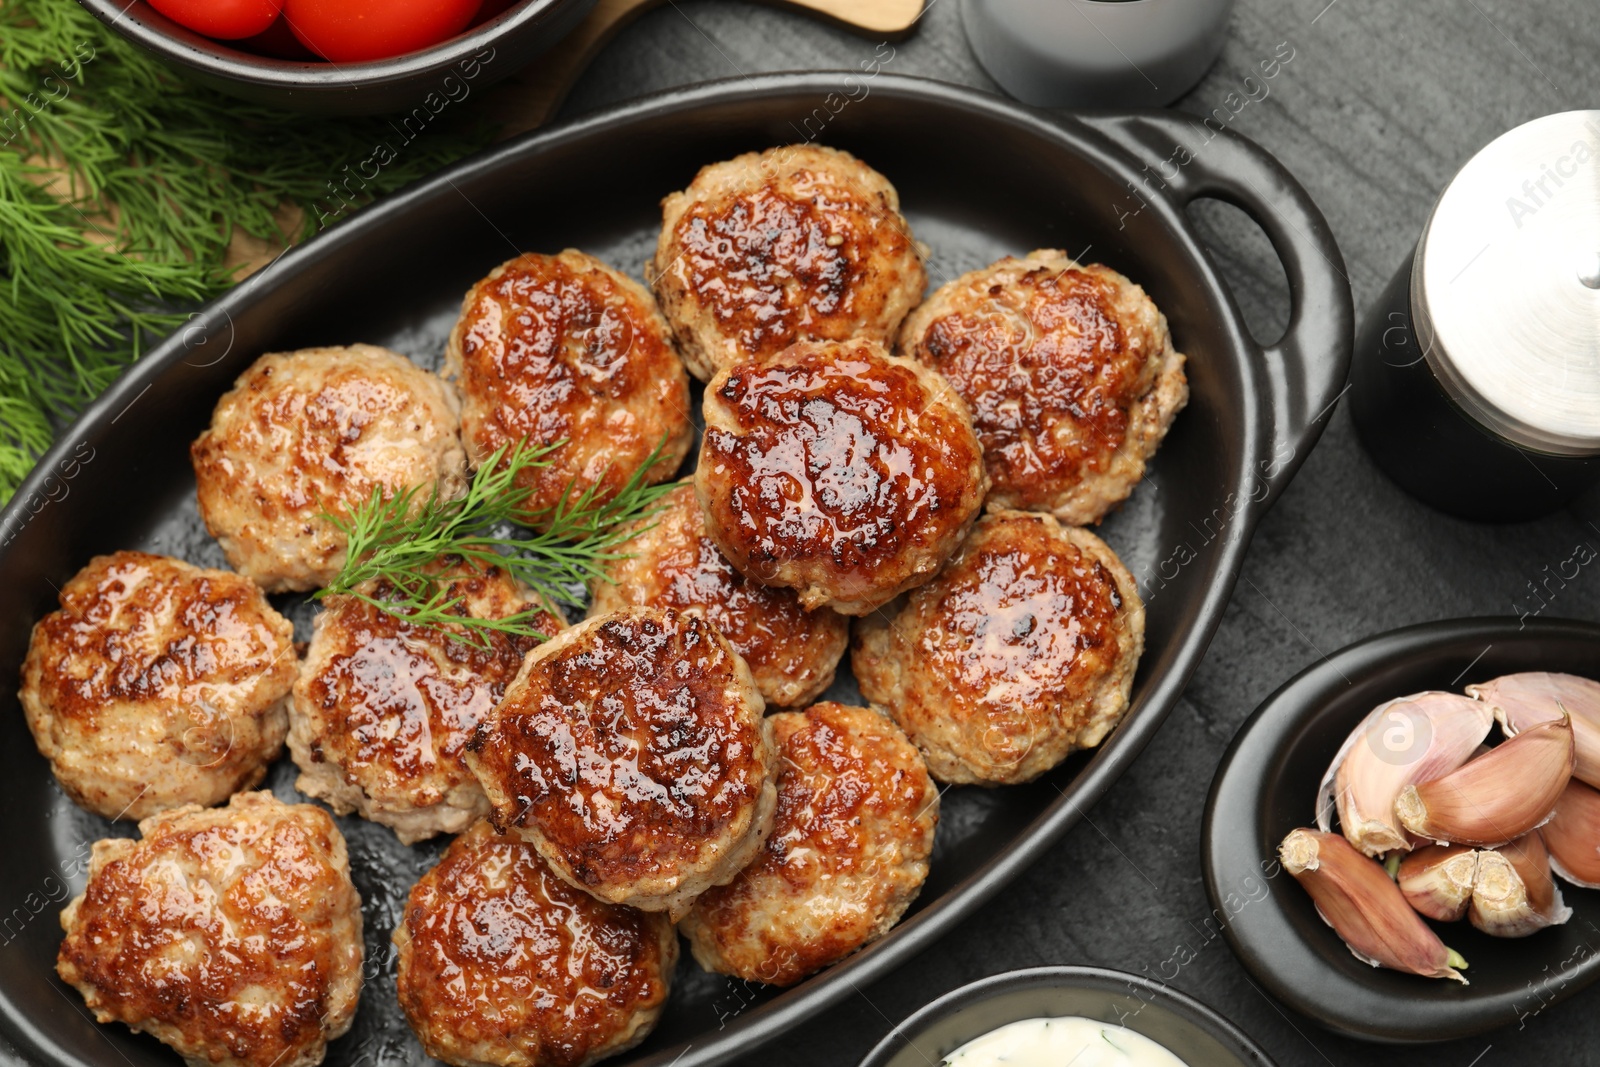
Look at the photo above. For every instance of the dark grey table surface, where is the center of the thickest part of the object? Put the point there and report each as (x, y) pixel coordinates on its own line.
(1383, 101)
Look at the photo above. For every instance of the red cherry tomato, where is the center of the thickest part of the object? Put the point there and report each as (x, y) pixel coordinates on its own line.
(350, 31)
(224, 19)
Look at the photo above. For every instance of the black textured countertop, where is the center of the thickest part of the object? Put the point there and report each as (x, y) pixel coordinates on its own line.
(1382, 102)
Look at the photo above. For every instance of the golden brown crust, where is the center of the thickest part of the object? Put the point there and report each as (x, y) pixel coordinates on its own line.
(632, 753)
(799, 243)
(319, 430)
(231, 934)
(501, 962)
(847, 854)
(838, 470)
(563, 348)
(157, 684)
(383, 708)
(1022, 651)
(1070, 373)
(673, 563)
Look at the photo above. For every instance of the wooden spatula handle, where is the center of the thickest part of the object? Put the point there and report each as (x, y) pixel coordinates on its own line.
(892, 18)
(529, 98)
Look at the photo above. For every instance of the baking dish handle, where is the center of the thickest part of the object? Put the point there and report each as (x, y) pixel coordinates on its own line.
(1186, 160)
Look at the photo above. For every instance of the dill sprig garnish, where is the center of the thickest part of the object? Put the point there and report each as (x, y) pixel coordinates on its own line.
(556, 551)
(121, 186)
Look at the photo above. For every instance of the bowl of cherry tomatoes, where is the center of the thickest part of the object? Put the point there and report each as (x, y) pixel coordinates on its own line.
(345, 57)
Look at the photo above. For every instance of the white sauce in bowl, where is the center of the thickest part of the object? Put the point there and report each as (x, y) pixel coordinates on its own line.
(1060, 1042)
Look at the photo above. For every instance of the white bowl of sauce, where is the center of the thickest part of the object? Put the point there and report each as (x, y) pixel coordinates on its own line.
(1047, 1016)
(1047, 1042)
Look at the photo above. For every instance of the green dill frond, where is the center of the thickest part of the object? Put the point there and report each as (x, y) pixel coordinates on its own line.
(556, 552)
(121, 186)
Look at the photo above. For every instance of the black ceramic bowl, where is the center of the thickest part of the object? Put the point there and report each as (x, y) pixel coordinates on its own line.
(394, 274)
(1267, 786)
(473, 60)
(1185, 1027)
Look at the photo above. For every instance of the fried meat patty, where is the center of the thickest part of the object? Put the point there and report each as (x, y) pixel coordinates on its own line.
(1022, 651)
(231, 934)
(384, 708)
(847, 855)
(838, 470)
(631, 752)
(798, 243)
(501, 962)
(315, 432)
(1069, 371)
(564, 352)
(158, 683)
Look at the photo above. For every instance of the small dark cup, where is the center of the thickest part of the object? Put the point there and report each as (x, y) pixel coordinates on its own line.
(1187, 1028)
(1475, 383)
(464, 64)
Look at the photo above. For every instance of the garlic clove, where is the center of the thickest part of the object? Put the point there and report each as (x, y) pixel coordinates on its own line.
(1413, 739)
(1367, 910)
(1573, 835)
(1497, 797)
(1521, 700)
(1437, 880)
(1513, 894)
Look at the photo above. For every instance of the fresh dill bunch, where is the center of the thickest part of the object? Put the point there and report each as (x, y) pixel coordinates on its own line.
(562, 549)
(121, 186)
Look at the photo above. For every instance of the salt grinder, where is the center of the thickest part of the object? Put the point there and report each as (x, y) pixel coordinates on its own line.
(1475, 383)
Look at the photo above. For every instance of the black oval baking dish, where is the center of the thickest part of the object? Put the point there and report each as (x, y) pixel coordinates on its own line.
(1182, 1025)
(979, 177)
